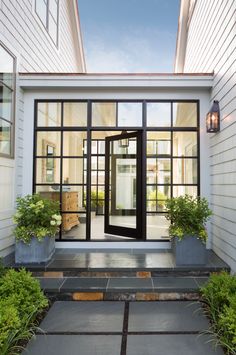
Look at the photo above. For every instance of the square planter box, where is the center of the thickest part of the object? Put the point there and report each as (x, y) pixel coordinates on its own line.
(35, 252)
(189, 251)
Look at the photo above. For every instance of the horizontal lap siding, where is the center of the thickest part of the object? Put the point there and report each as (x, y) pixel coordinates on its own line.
(21, 28)
(211, 46)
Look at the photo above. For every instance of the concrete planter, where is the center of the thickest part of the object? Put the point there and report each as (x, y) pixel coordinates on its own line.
(35, 252)
(189, 251)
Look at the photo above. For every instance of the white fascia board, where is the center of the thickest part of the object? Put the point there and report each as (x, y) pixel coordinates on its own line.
(76, 81)
(181, 41)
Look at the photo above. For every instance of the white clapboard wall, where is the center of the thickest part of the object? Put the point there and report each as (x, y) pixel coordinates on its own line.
(211, 46)
(24, 35)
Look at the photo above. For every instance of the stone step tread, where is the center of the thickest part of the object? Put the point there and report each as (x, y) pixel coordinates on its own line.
(118, 284)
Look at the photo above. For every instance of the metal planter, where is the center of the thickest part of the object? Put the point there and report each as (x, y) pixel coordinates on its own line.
(35, 252)
(189, 251)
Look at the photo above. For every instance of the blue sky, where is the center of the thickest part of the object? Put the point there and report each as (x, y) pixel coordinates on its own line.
(129, 35)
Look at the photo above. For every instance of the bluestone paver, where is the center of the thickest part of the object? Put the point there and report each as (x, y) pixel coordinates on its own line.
(173, 344)
(74, 345)
(69, 316)
(166, 316)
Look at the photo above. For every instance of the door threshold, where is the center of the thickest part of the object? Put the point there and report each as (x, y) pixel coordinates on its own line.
(114, 245)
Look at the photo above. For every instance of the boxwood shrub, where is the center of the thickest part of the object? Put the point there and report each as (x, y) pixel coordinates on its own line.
(21, 300)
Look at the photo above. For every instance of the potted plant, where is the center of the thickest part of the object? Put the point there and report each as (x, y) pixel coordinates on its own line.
(38, 221)
(188, 216)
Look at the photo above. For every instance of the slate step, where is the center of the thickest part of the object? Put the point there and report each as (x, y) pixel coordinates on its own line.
(122, 288)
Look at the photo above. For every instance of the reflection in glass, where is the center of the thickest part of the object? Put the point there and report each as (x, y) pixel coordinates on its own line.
(48, 143)
(73, 143)
(157, 227)
(185, 144)
(103, 114)
(129, 114)
(159, 114)
(5, 137)
(6, 67)
(184, 190)
(158, 170)
(185, 114)
(158, 143)
(47, 170)
(156, 197)
(75, 114)
(5, 102)
(185, 171)
(123, 172)
(41, 10)
(49, 114)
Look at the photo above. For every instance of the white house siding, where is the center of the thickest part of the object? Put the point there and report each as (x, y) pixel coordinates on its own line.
(23, 34)
(211, 46)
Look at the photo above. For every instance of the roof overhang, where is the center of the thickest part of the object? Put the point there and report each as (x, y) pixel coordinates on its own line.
(76, 81)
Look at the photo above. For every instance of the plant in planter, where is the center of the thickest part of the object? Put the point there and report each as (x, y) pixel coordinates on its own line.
(188, 216)
(38, 221)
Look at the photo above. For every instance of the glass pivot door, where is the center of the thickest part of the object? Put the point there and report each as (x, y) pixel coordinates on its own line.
(123, 185)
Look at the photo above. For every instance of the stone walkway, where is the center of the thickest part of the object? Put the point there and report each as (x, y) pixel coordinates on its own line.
(123, 328)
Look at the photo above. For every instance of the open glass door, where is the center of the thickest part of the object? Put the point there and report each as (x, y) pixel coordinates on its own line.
(123, 185)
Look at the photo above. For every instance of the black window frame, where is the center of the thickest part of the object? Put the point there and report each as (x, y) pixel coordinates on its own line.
(144, 129)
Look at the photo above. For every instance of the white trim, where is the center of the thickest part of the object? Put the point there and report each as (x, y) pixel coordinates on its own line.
(182, 36)
(113, 245)
(112, 81)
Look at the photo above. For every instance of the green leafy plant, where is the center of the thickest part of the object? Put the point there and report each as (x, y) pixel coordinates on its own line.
(219, 295)
(36, 217)
(21, 300)
(156, 195)
(188, 216)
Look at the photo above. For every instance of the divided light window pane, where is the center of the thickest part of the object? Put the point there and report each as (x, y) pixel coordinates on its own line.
(184, 114)
(52, 28)
(49, 114)
(6, 67)
(104, 114)
(129, 114)
(75, 114)
(53, 6)
(5, 137)
(41, 10)
(159, 114)
(5, 102)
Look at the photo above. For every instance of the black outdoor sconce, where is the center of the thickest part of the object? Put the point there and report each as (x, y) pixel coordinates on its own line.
(213, 118)
(124, 143)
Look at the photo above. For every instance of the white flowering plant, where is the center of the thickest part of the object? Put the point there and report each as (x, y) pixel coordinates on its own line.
(36, 217)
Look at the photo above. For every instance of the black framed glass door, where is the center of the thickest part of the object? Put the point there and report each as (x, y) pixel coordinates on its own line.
(123, 185)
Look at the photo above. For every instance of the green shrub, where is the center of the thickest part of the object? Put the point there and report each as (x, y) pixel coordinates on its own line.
(227, 325)
(220, 296)
(218, 292)
(36, 217)
(21, 300)
(9, 320)
(188, 216)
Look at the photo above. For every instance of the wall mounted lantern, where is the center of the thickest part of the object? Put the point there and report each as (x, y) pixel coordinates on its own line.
(213, 118)
(124, 143)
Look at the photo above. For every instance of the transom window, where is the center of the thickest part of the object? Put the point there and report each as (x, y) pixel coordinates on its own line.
(7, 99)
(48, 12)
